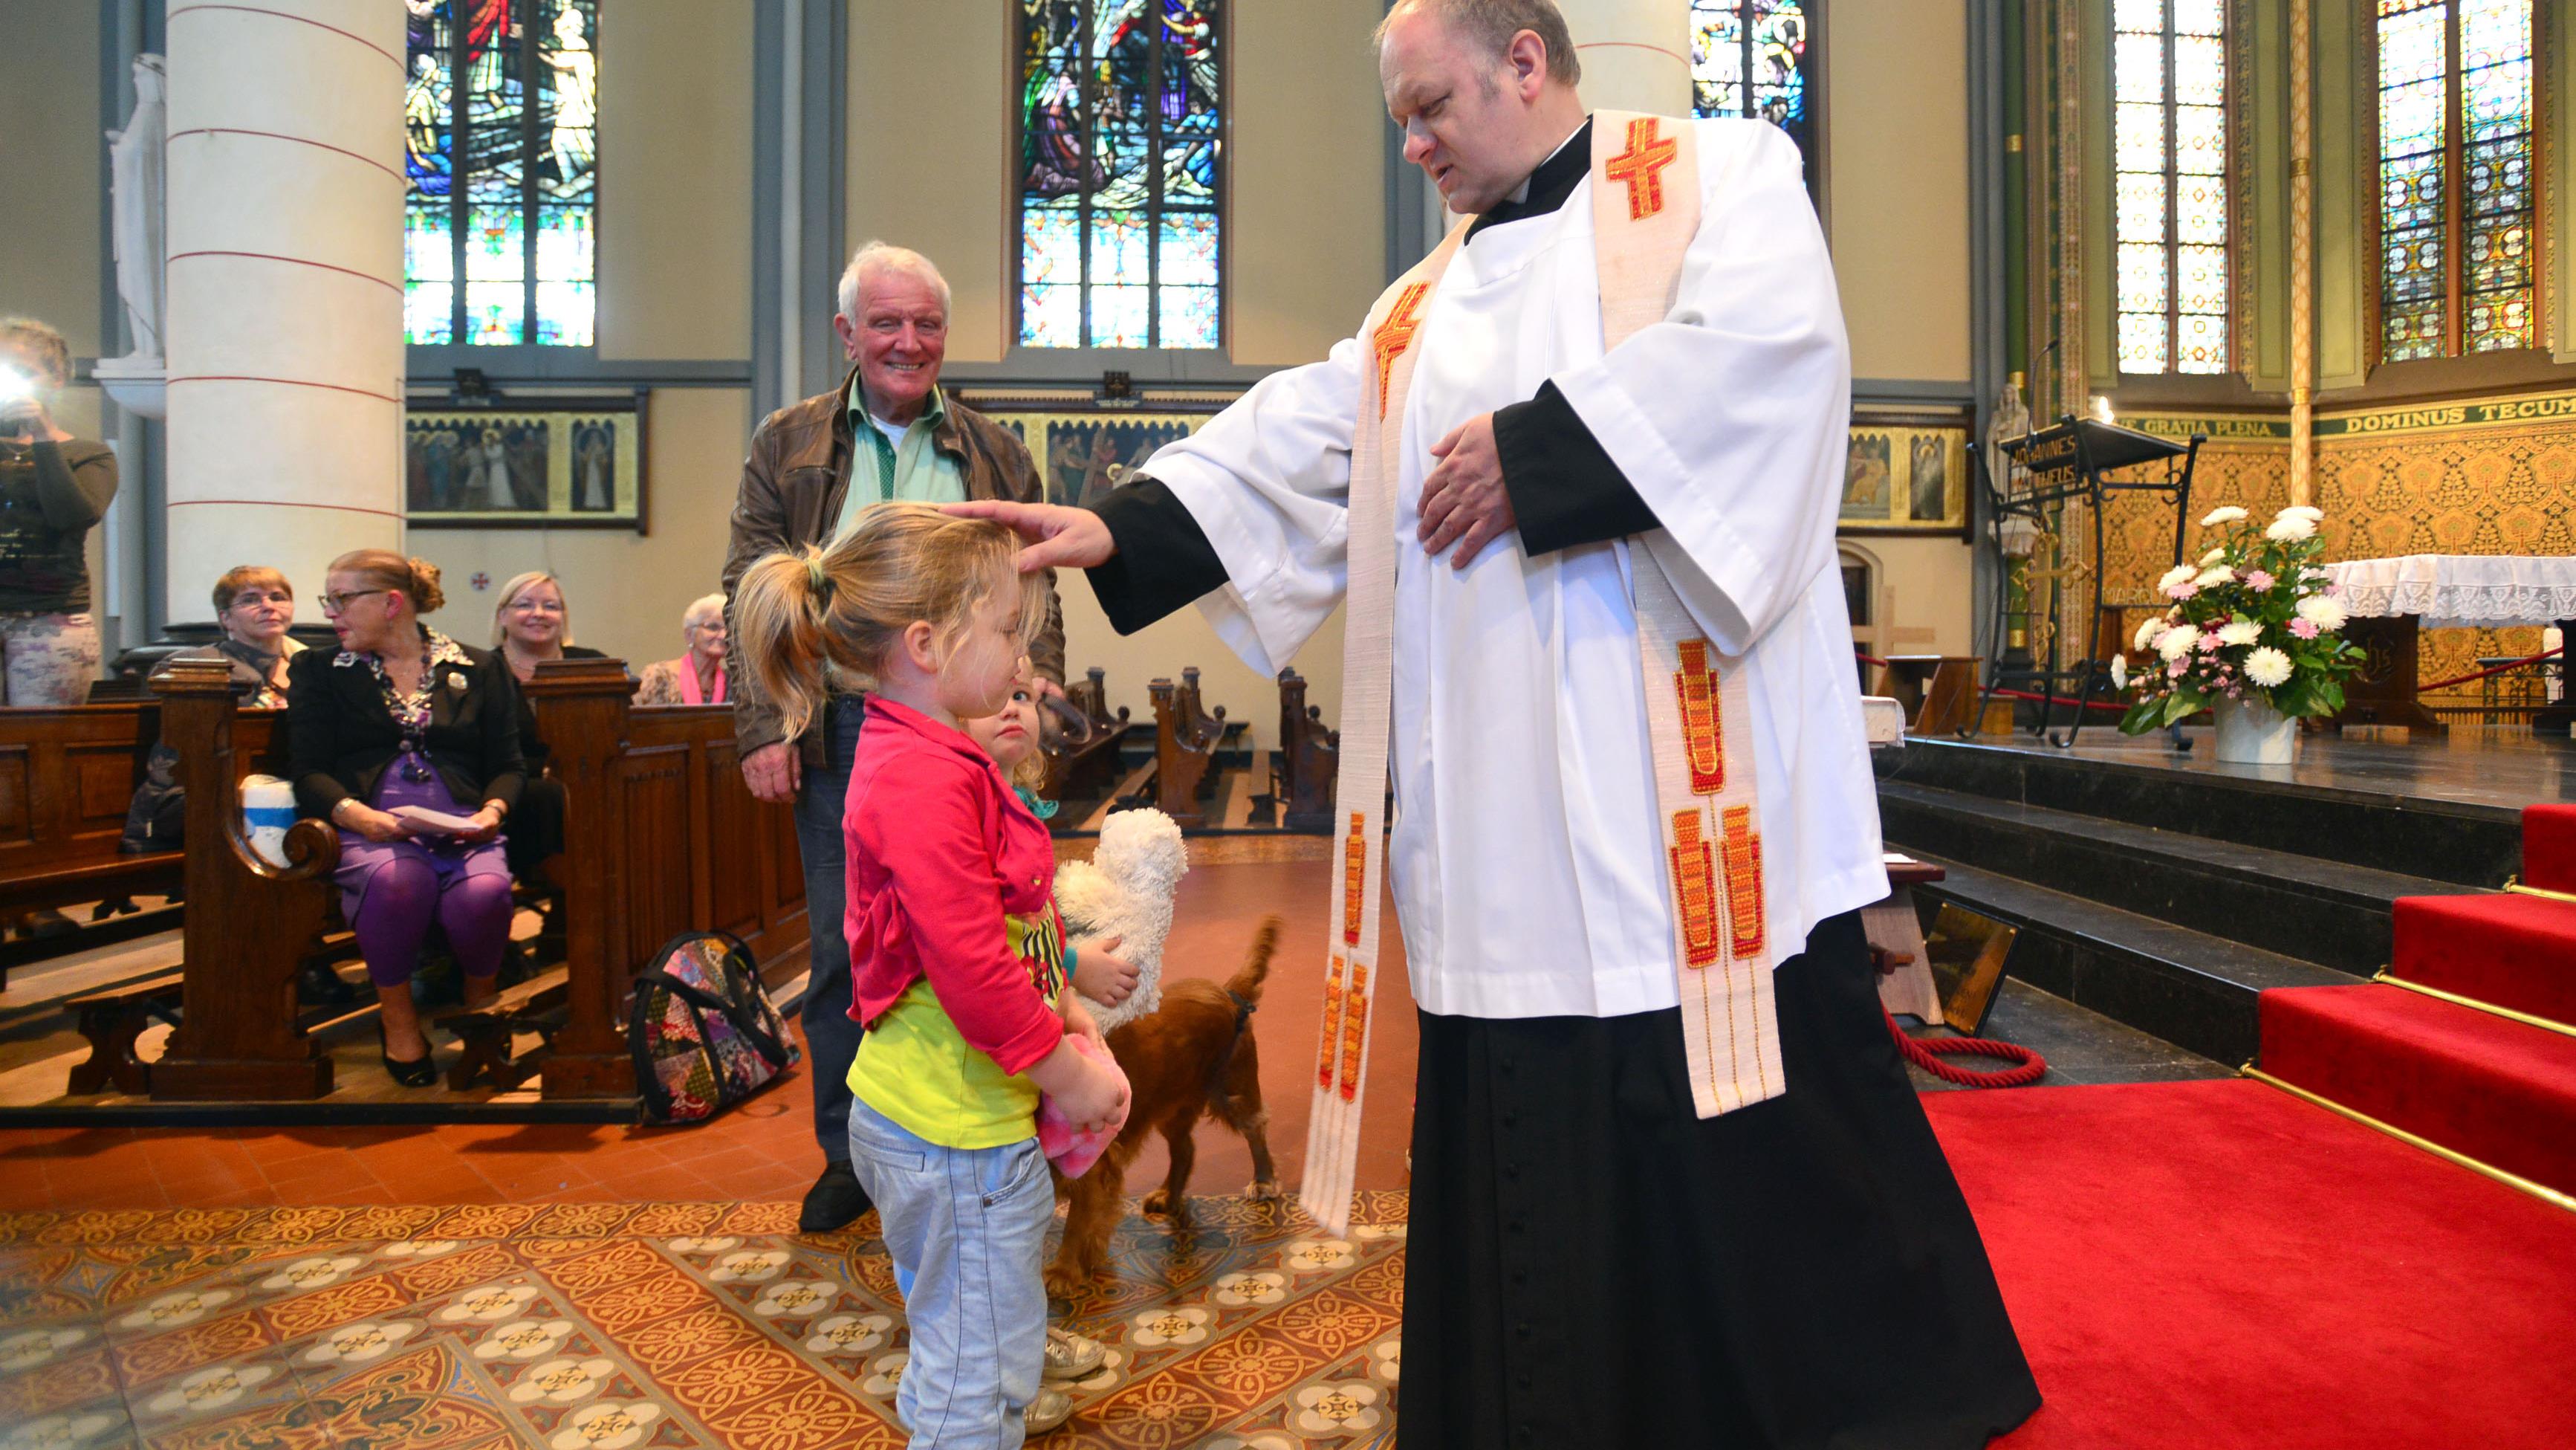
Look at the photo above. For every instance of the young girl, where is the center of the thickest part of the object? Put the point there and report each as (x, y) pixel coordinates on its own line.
(1011, 738)
(956, 955)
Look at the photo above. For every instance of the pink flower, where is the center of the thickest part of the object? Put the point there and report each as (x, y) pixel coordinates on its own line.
(2181, 591)
(2304, 628)
(2174, 671)
(2258, 581)
(2209, 644)
(2332, 588)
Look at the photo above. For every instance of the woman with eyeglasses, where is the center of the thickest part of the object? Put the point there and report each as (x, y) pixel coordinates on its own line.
(409, 743)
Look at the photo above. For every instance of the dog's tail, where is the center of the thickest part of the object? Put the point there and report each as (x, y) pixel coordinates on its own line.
(1246, 982)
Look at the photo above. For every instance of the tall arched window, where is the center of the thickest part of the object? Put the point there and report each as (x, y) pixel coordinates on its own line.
(1121, 139)
(502, 129)
(2459, 244)
(2169, 153)
(1755, 58)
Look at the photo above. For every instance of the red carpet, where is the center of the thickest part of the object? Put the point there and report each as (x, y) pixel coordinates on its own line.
(2549, 847)
(2495, 1089)
(2513, 951)
(2219, 1266)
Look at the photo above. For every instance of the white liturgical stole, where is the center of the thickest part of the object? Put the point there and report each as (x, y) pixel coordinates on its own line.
(1646, 200)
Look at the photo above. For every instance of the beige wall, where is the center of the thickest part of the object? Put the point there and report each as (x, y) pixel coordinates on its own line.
(626, 590)
(1896, 124)
(675, 117)
(929, 150)
(1308, 218)
(1926, 596)
(53, 166)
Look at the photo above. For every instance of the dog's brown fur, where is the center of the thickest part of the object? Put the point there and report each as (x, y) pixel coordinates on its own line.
(1189, 1057)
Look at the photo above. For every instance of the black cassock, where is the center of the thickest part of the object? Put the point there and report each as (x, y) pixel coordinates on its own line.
(1591, 1264)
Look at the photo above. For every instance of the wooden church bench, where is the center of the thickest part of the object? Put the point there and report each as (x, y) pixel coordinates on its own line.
(111, 1018)
(1186, 738)
(486, 1030)
(1309, 760)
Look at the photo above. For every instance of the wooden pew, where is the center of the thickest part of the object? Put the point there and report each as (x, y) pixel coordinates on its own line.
(662, 837)
(1083, 759)
(248, 922)
(1939, 692)
(67, 775)
(1310, 759)
(1186, 738)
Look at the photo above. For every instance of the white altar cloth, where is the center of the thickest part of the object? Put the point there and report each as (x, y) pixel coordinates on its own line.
(2448, 591)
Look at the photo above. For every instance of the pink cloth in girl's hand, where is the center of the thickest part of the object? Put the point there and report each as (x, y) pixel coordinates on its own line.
(1071, 1150)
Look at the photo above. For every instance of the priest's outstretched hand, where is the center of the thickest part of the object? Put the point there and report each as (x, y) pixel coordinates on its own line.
(1463, 499)
(1057, 537)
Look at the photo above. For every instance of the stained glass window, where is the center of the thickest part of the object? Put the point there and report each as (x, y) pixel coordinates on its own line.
(1121, 134)
(1751, 58)
(2169, 184)
(2457, 227)
(502, 135)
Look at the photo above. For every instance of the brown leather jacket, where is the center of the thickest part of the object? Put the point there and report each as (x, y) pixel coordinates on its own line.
(792, 486)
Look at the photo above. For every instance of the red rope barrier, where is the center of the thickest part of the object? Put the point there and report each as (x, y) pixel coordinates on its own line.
(1922, 1052)
(2506, 668)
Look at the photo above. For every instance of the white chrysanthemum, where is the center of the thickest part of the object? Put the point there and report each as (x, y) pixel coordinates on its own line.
(2268, 667)
(2324, 613)
(2231, 514)
(2147, 631)
(2178, 574)
(2310, 512)
(2291, 529)
(2178, 641)
(2239, 631)
(2219, 574)
(2212, 557)
(2119, 672)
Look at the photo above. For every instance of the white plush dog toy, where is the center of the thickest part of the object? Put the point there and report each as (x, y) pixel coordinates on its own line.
(1125, 891)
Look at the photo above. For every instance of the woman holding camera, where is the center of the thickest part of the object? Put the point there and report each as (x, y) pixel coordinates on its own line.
(53, 488)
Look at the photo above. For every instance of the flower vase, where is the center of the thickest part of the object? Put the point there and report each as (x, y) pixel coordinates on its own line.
(2251, 732)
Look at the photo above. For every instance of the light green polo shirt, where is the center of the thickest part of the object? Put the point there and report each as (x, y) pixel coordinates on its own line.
(881, 469)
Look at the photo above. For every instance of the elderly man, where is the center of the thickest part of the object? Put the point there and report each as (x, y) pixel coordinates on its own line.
(887, 432)
(1578, 475)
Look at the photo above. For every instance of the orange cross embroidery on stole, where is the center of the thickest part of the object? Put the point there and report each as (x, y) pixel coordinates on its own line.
(1642, 167)
(1330, 1053)
(1694, 890)
(1743, 881)
(1354, 877)
(1703, 741)
(1354, 1030)
(1395, 335)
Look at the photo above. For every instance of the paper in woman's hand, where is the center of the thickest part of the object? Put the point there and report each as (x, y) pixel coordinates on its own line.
(425, 821)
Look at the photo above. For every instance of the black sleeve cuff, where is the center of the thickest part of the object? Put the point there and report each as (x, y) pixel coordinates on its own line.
(1563, 486)
(1163, 561)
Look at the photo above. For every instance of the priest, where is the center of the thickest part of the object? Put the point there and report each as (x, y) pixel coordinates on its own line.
(1578, 476)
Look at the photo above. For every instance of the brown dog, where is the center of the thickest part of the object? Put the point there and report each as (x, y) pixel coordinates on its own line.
(1195, 1054)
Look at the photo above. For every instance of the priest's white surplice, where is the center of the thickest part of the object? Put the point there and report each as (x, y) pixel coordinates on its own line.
(1526, 854)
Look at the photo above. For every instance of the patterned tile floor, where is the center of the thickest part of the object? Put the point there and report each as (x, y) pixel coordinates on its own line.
(603, 1326)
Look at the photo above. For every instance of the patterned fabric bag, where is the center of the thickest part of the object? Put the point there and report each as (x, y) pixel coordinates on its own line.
(703, 1033)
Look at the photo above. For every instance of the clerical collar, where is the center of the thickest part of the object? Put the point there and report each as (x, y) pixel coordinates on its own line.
(1546, 188)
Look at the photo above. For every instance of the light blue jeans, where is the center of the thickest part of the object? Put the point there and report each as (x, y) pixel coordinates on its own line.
(967, 1230)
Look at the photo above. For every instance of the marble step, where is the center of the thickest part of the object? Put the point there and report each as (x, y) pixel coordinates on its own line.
(2357, 822)
(2196, 991)
(2328, 912)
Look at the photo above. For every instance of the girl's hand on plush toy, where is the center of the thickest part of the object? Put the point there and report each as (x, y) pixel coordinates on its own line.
(1100, 974)
(1079, 1021)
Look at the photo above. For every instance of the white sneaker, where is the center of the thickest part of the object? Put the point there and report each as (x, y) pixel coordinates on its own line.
(1070, 1356)
(1050, 1409)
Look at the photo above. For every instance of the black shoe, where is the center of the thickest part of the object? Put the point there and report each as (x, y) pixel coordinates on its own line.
(835, 1201)
(419, 1072)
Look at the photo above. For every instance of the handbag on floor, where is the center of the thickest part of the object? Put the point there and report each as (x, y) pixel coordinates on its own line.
(702, 1030)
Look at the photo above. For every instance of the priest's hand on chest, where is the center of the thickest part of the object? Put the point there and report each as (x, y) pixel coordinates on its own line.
(1463, 500)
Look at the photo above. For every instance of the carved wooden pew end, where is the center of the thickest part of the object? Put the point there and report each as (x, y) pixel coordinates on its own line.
(112, 1019)
(486, 1030)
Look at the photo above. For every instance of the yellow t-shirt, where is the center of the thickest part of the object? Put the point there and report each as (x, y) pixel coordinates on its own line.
(915, 1068)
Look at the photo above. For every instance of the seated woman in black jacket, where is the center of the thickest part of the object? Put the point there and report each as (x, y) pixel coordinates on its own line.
(402, 720)
(532, 623)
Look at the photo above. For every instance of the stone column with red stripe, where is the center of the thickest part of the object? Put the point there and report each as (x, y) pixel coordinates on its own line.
(1635, 53)
(285, 327)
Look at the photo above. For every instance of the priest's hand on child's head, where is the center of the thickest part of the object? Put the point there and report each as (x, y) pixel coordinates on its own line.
(1057, 537)
(1464, 502)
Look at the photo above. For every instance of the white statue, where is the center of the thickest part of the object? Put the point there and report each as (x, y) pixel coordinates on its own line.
(139, 181)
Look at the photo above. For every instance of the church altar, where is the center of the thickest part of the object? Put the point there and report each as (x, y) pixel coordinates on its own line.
(2391, 600)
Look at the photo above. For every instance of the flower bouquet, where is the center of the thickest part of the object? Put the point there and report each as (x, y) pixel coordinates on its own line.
(2253, 634)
